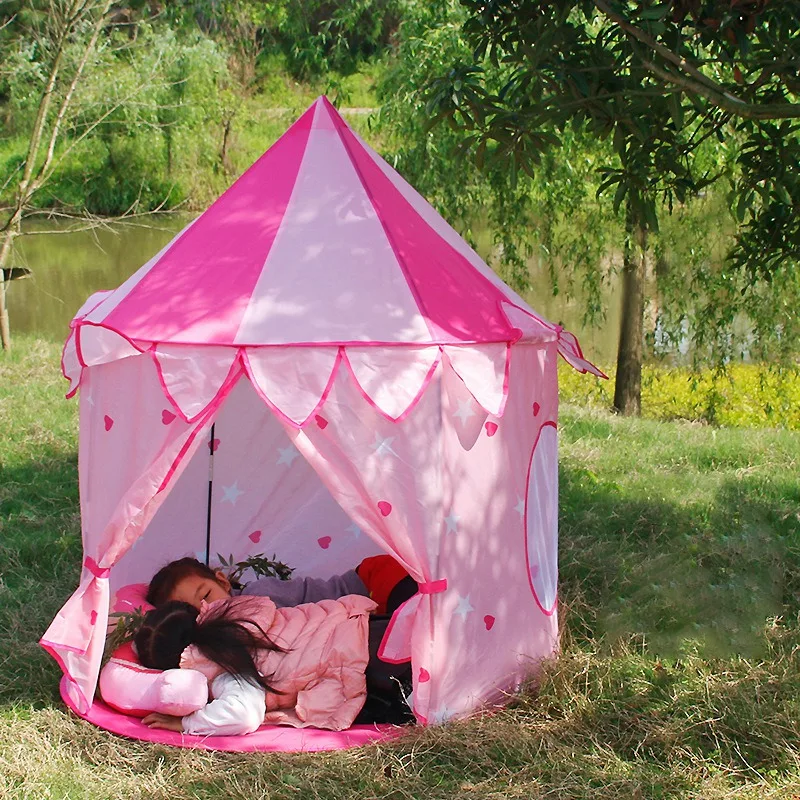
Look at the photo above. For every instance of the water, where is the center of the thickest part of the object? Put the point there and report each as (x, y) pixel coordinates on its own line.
(68, 266)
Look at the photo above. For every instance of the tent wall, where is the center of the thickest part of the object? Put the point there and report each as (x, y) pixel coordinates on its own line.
(445, 492)
(490, 616)
(448, 491)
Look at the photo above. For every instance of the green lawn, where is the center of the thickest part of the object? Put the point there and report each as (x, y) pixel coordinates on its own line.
(680, 670)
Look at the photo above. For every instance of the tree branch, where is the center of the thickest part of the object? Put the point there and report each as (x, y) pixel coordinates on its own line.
(103, 117)
(727, 102)
(43, 170)
(695, 81)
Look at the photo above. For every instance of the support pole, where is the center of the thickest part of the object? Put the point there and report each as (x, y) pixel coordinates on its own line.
(210, 486)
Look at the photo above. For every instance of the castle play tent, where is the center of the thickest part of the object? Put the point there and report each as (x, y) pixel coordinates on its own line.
(320, 367)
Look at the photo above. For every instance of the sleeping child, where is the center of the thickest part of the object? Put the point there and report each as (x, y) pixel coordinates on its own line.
(314, 664)
(380, 578)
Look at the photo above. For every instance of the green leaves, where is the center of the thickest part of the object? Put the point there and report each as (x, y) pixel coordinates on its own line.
(260, 565)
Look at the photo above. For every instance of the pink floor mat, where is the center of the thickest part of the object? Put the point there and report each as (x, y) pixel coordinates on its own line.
(267, 739)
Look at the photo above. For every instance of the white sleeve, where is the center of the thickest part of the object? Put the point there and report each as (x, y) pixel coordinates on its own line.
(238, 707)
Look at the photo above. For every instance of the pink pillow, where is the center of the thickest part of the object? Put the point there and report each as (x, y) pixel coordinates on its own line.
(129, 598)
(127, 686)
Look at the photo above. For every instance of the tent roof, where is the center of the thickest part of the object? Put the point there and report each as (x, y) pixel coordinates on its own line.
(319, 245)
(318, 242)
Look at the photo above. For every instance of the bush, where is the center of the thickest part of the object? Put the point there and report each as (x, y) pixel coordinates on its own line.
(743, 396)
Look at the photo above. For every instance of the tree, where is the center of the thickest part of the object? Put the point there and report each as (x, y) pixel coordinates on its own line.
(104, 99)
(658, 80)
(71, 32)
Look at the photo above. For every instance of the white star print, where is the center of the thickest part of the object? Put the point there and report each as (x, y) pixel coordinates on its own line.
(451, 521)
(384, 446)
(520, 506)
(231, 493)
(464, 607)
(288, 454)
(464, 410)
(90, 400)
(355, 530)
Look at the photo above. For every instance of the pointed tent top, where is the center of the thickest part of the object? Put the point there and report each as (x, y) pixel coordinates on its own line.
(315, 243)
(320, 244)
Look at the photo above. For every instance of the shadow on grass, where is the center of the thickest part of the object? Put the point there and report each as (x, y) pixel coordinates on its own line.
(706, 576)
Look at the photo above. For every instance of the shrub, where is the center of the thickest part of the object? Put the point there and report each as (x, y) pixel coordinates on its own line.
(742, 396)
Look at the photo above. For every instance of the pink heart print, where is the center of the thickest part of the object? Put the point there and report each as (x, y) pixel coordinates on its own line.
(255, 537)
(214, 445)
(491, 428)
(324, 542)
(167, 417)
(385, 508)
(488, 621)
(93, 618)
(536, 409)
(108, 422)
(424, 676)
(321, 421)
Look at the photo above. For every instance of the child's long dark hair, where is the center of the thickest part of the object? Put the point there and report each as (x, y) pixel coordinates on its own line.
(226, 636)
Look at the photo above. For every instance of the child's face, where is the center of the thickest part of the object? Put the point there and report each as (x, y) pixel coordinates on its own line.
(193, 589)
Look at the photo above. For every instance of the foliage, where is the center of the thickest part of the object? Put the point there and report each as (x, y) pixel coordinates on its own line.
(658, 80)
(669, 101)
(126, 625)
(554, 218)
(145, 112)
(321, 36)
(260, 565)
(742, 396)
(314, 37)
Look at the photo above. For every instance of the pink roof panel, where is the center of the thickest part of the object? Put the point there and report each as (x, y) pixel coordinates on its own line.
(199, 289)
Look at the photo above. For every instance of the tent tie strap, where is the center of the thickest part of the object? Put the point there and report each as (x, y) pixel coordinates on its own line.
(433, 587)
(95, 568)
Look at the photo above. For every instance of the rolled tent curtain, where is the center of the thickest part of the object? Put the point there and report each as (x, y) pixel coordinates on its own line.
(387, 476)
(132, 444)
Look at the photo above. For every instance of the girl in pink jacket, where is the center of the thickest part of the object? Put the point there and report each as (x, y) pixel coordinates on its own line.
(307, 665)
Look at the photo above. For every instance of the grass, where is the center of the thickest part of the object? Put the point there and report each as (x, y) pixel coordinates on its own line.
(680, 668)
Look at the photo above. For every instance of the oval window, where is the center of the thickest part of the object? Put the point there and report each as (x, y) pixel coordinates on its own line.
(541, 519)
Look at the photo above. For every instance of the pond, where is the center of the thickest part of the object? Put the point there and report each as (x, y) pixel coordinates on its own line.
(68, 265)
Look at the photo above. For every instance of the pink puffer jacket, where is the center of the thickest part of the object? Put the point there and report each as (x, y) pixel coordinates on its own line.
(321, 676)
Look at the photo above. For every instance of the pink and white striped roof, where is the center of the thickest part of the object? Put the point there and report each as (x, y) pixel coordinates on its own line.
(319, 244)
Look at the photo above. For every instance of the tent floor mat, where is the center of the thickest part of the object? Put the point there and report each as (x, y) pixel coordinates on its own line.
(267, 739)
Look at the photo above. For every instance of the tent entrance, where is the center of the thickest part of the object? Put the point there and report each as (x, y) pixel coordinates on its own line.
(247, 490)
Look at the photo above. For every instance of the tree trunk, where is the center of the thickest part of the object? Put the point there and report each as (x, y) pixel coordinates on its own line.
(223, 157)
(628, 384)
(5, 329)
(5, 251)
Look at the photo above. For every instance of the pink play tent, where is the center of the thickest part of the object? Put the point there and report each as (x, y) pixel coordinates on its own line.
(320, 367)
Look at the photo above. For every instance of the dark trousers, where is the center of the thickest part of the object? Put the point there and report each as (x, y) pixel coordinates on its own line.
(387, 684)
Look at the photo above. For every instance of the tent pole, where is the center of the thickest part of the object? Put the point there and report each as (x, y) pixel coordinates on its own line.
(210, 485)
